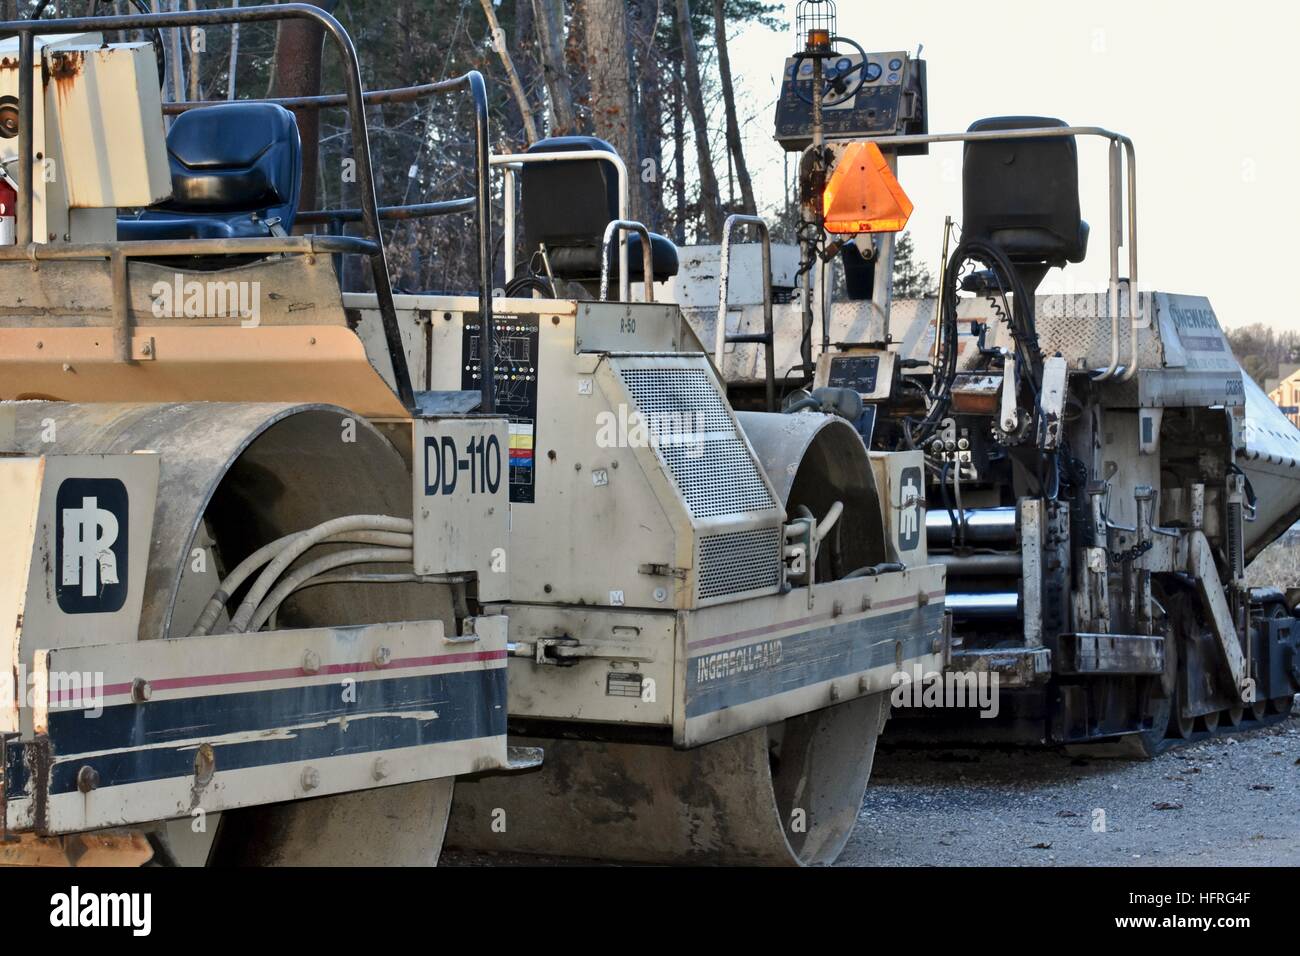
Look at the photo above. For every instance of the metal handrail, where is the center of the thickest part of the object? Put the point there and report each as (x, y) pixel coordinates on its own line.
(423, 210)
(768, 337)
(335, 218)
(354, 98)
(1118, 141)
(622, 227)
(508, 161)
(157, 248)
(319, 101)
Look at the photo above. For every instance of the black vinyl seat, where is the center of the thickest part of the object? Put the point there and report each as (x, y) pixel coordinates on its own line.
(567, 206)
(584, 262)
(1023, 195)
(236, 174)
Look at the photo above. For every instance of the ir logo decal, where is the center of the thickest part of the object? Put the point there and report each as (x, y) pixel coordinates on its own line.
(909, 515)
(90, 541)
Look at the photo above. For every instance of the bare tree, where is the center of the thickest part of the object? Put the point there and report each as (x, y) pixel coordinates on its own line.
(177, 56)
(679, 154)
(549, 15)
(611, 88)
(516, 86)
(734, 145)
(297, 72)
(710, 201)
(647, 71)
(234, 56)
(525, 57)
(196, 56)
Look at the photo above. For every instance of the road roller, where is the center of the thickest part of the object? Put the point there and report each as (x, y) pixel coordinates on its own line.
(293, 574)
(242, 577)
(1099, 471)
(707, 608)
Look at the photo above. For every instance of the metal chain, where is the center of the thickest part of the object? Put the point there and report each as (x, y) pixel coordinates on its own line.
(1133, 553)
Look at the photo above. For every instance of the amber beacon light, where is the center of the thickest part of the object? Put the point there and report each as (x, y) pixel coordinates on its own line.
(815, 26)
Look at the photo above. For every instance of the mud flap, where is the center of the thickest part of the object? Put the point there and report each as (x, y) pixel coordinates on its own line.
(152, 730)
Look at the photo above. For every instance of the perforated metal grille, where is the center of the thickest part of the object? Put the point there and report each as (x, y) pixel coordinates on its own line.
(673, 393)
(739, 561)
(697, 441)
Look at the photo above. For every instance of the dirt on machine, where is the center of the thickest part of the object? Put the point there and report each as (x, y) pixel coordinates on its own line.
(624, 560)
(318, 553)
(1097, 469)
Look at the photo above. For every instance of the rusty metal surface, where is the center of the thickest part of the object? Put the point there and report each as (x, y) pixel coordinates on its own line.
(80, 850)
(156, 248)
(70, 290)
(1014, 666)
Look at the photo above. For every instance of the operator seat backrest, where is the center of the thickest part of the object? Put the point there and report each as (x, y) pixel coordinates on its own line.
(568, 205)
(236, 172)
(1023, 194)
(236, 157)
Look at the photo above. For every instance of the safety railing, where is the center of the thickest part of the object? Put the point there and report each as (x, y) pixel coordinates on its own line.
(354, 99)
(510, 162)
(621, 227)
(767, 338)
(479, 203)
(1121, 150)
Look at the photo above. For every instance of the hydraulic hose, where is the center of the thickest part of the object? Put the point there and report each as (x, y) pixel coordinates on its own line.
(311, 569)
(295, 548)
(235, 579)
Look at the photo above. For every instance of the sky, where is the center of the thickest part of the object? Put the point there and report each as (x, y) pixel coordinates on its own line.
(1207, 91)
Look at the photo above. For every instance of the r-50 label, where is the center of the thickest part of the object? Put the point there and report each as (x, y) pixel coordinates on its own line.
(473, 467)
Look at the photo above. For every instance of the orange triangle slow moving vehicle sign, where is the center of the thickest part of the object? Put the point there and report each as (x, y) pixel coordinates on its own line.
(863, 194)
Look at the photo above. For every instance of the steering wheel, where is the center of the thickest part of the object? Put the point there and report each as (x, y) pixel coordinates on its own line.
(159, 48)
(836, 84)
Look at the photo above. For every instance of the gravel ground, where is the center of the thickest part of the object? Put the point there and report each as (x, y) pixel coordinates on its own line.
(1230, 801)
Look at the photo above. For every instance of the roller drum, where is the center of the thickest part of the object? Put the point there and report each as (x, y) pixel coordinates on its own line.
(983, 526)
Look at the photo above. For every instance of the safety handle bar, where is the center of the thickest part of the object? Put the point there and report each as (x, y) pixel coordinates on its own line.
(621, 227)
(768, 337)
(509, 161)
(1119, 143)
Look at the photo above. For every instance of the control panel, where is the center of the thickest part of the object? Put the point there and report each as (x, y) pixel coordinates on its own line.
(879, 94)
(869, 372)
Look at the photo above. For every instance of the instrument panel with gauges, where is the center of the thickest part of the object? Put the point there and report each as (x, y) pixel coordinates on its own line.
(867, 371)
(863, 94)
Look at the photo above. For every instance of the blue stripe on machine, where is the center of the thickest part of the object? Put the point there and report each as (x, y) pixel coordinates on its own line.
(738, 675)
(15, 771)
(317, 721)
